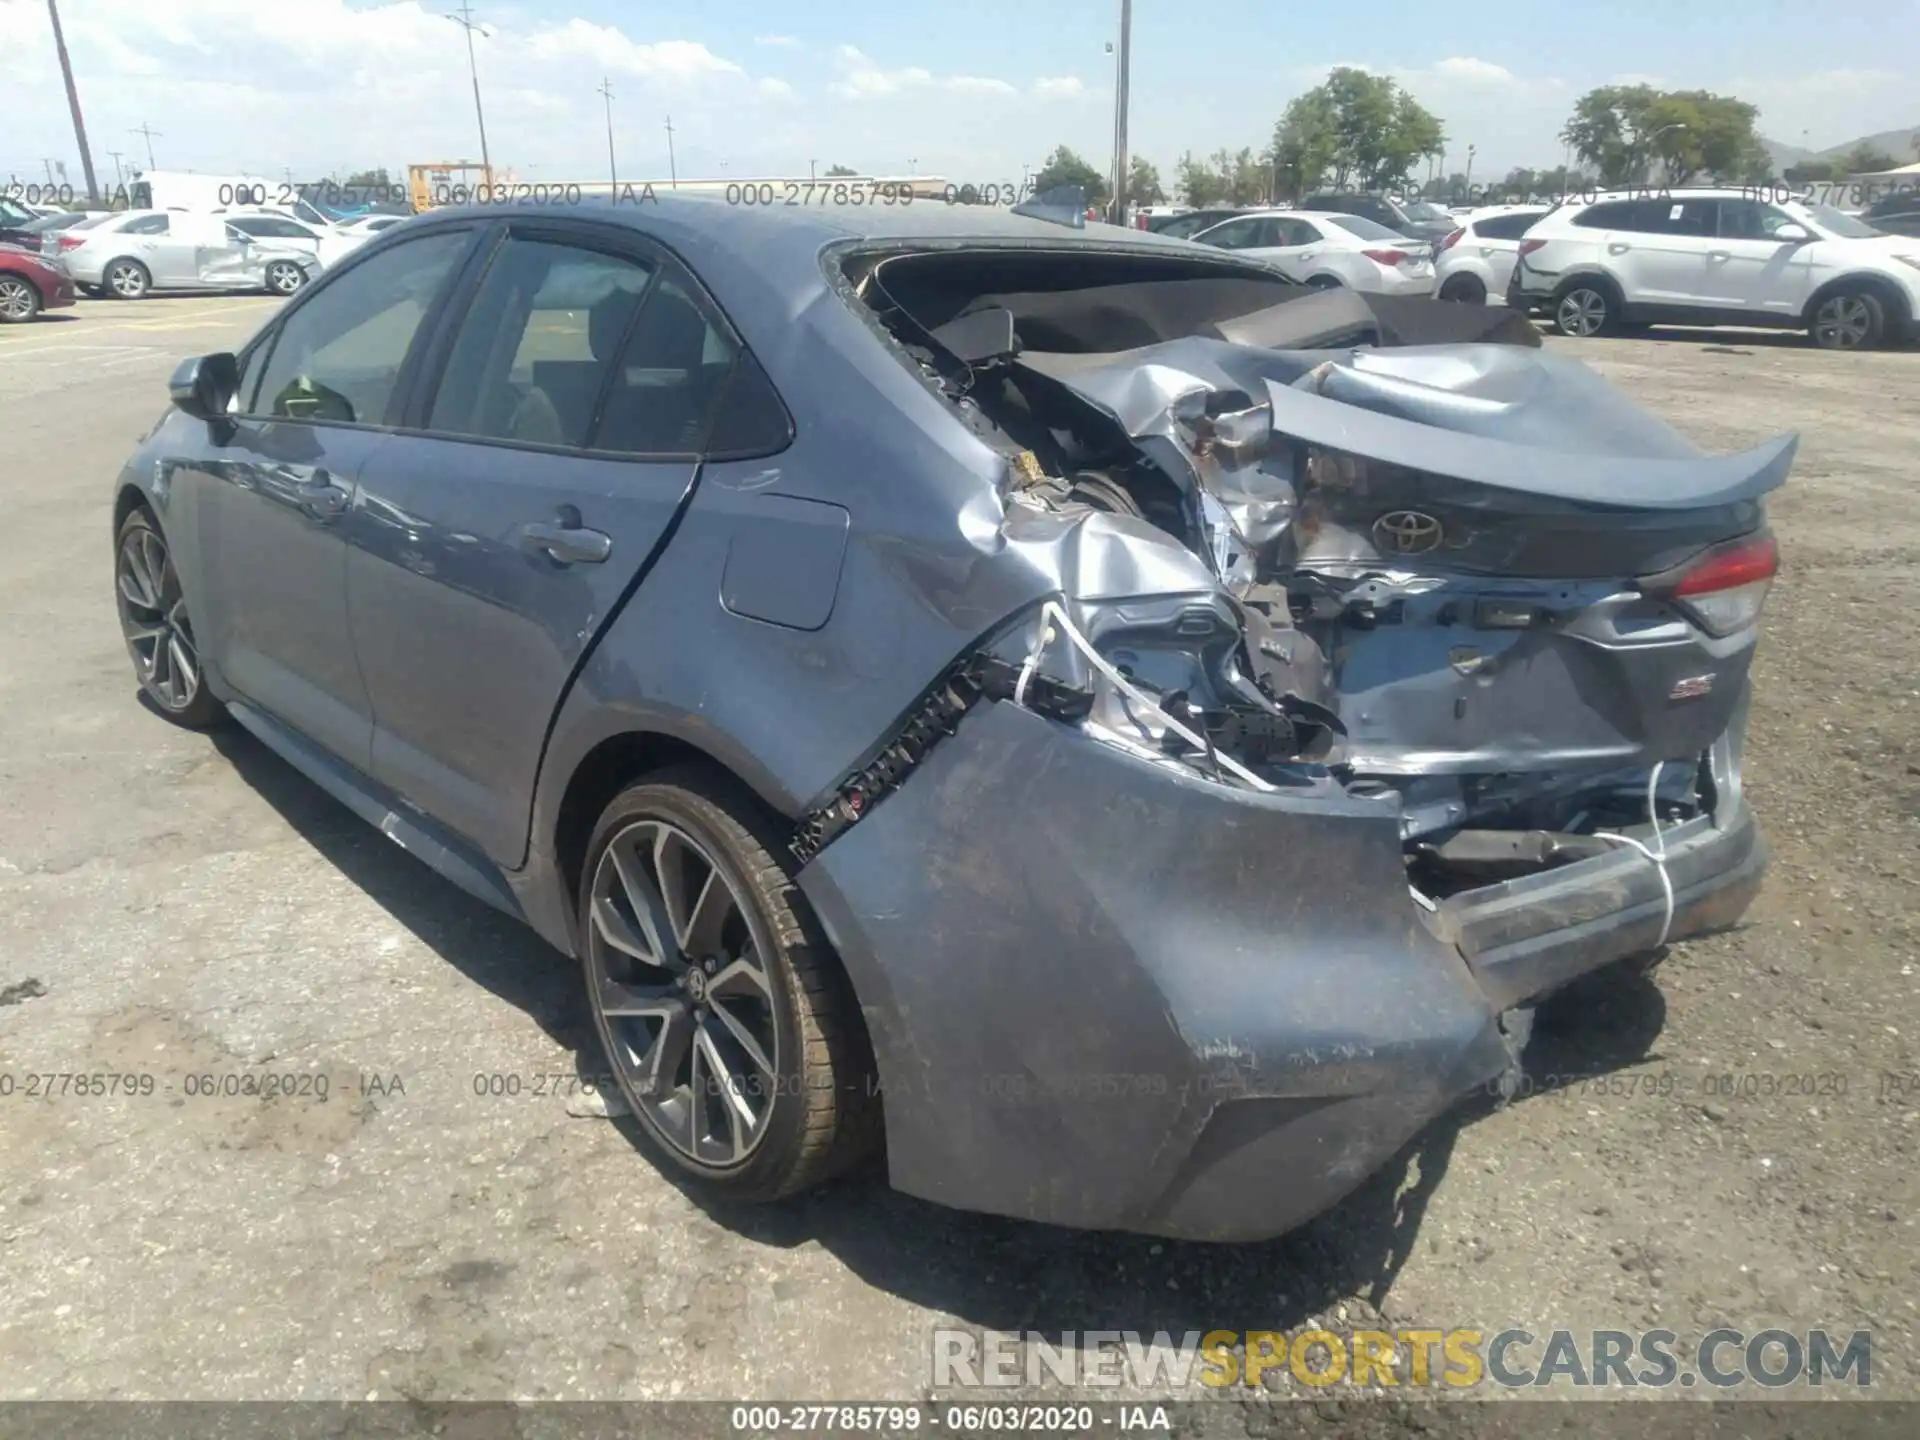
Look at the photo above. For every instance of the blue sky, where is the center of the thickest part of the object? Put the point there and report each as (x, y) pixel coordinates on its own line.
(971, 91)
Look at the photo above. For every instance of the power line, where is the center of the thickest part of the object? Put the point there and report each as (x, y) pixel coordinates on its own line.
(73, 99)
(149, 132)
(613, 171)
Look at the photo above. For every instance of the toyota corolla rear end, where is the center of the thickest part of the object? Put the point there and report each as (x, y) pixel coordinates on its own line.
(1377, 692)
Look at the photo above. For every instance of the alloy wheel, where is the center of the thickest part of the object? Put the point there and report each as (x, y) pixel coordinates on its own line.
(127, 280)
(18, 299)
(284, 277)
(1582, 313)
(682, 994)
(1843, 323)
(153, 617)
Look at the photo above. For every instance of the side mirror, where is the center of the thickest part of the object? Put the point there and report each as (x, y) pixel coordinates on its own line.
(204, 386)
(1792, 234)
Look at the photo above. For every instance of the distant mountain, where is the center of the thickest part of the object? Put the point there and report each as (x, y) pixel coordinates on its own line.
(1903, 145)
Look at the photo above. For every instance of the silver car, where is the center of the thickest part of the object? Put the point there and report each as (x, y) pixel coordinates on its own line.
(128, 255)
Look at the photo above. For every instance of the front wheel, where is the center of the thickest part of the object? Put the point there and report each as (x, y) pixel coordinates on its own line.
(1583, 311)
(19, 300)
(1323, 282)
(128, 279)
(1466, 289)
(1849, 320)
(284, 277)
(158, 632)
(730, 1031)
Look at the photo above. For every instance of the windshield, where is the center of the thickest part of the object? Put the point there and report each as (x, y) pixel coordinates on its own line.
(13, 214)
(1424, 210)
(1839, 224)
(1365, 229)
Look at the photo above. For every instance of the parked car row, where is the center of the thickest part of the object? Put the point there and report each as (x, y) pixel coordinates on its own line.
(1614, 262)
(130, 253)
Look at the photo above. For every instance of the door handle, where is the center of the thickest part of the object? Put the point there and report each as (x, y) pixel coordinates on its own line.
(567, 544)
(1618, 247)
(323, 500)
(1718, 256)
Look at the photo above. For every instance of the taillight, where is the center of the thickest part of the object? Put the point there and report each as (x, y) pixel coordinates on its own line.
(1725, 588)
(1453, 239)
(1385, 257)
(1527, 247)
(71, 242)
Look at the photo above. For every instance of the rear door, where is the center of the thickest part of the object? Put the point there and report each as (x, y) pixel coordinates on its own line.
(538, 476)
(1495, 240)
(1661, 255)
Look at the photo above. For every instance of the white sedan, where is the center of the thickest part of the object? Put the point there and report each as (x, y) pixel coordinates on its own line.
(1324, 250)
(134, 252)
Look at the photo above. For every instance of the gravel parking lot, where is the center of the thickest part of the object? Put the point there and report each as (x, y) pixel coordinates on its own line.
(187, 909)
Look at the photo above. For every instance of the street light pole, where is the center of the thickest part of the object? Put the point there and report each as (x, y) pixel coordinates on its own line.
(464, 19)
(1646, 145)
(1123, 68)
(673, 170)
(1472, 150)
(613, 172)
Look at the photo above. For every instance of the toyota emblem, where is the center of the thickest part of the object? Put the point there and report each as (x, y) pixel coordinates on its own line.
(1407, 532)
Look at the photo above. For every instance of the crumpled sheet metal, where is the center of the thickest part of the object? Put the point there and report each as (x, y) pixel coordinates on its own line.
(1518, 419)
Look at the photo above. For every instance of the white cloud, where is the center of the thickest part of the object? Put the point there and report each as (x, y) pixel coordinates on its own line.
(775, 89)
(1474, 72)
(785, 42)
(859, 78)
(608, 46)
(1059, 87)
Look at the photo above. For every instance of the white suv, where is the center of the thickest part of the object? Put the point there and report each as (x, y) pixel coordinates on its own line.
(1719, 257)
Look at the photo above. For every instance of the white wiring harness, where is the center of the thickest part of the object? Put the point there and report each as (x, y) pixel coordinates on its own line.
(1657, 854)
(1052, 615)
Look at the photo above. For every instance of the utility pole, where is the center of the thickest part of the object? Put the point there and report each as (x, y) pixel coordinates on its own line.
(149, 132)
(48, 166)
(119, 173)
(73, 99)
(464, 19)
(613, 173)
(673, 171)
(1123, 67)
(810, 165)
(1471, 149)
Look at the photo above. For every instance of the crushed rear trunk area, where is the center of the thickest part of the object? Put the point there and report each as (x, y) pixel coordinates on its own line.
(1314, 540)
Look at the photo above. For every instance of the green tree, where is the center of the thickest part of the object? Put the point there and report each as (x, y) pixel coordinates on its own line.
(1362, 129)
(1621, 130)
(1306, 144)
(833, 170)
(1064, 167)
(368, 180)
(1143, 183)
(1864, 159)
(1197, 184)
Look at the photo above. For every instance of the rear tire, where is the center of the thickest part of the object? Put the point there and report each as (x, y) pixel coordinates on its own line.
(1465, 289)
(1584, 308)
(19, 299)
(127, 280)
(1849, 319)
(1323, 282)
(729, 1028)
(285, 278)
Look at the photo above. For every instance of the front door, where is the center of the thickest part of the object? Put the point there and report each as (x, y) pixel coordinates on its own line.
(493, 540)
(1748, 270)
(266, 494)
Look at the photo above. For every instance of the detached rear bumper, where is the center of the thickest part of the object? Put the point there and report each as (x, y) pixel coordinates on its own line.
(1105, 995)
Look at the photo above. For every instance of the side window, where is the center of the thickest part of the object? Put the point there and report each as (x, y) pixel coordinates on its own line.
(1750, 220)
(751, 419)
(539, 343)
(338, 355)
(145, 225)
(1505, 227)
(1612, 215)
(1233, 235)
(1686, 217)
(670, 376)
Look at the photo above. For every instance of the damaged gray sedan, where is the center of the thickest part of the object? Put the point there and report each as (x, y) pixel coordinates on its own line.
(1133, 736)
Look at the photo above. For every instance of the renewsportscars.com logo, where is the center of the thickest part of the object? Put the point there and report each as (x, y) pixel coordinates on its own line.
(1455, 1359)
